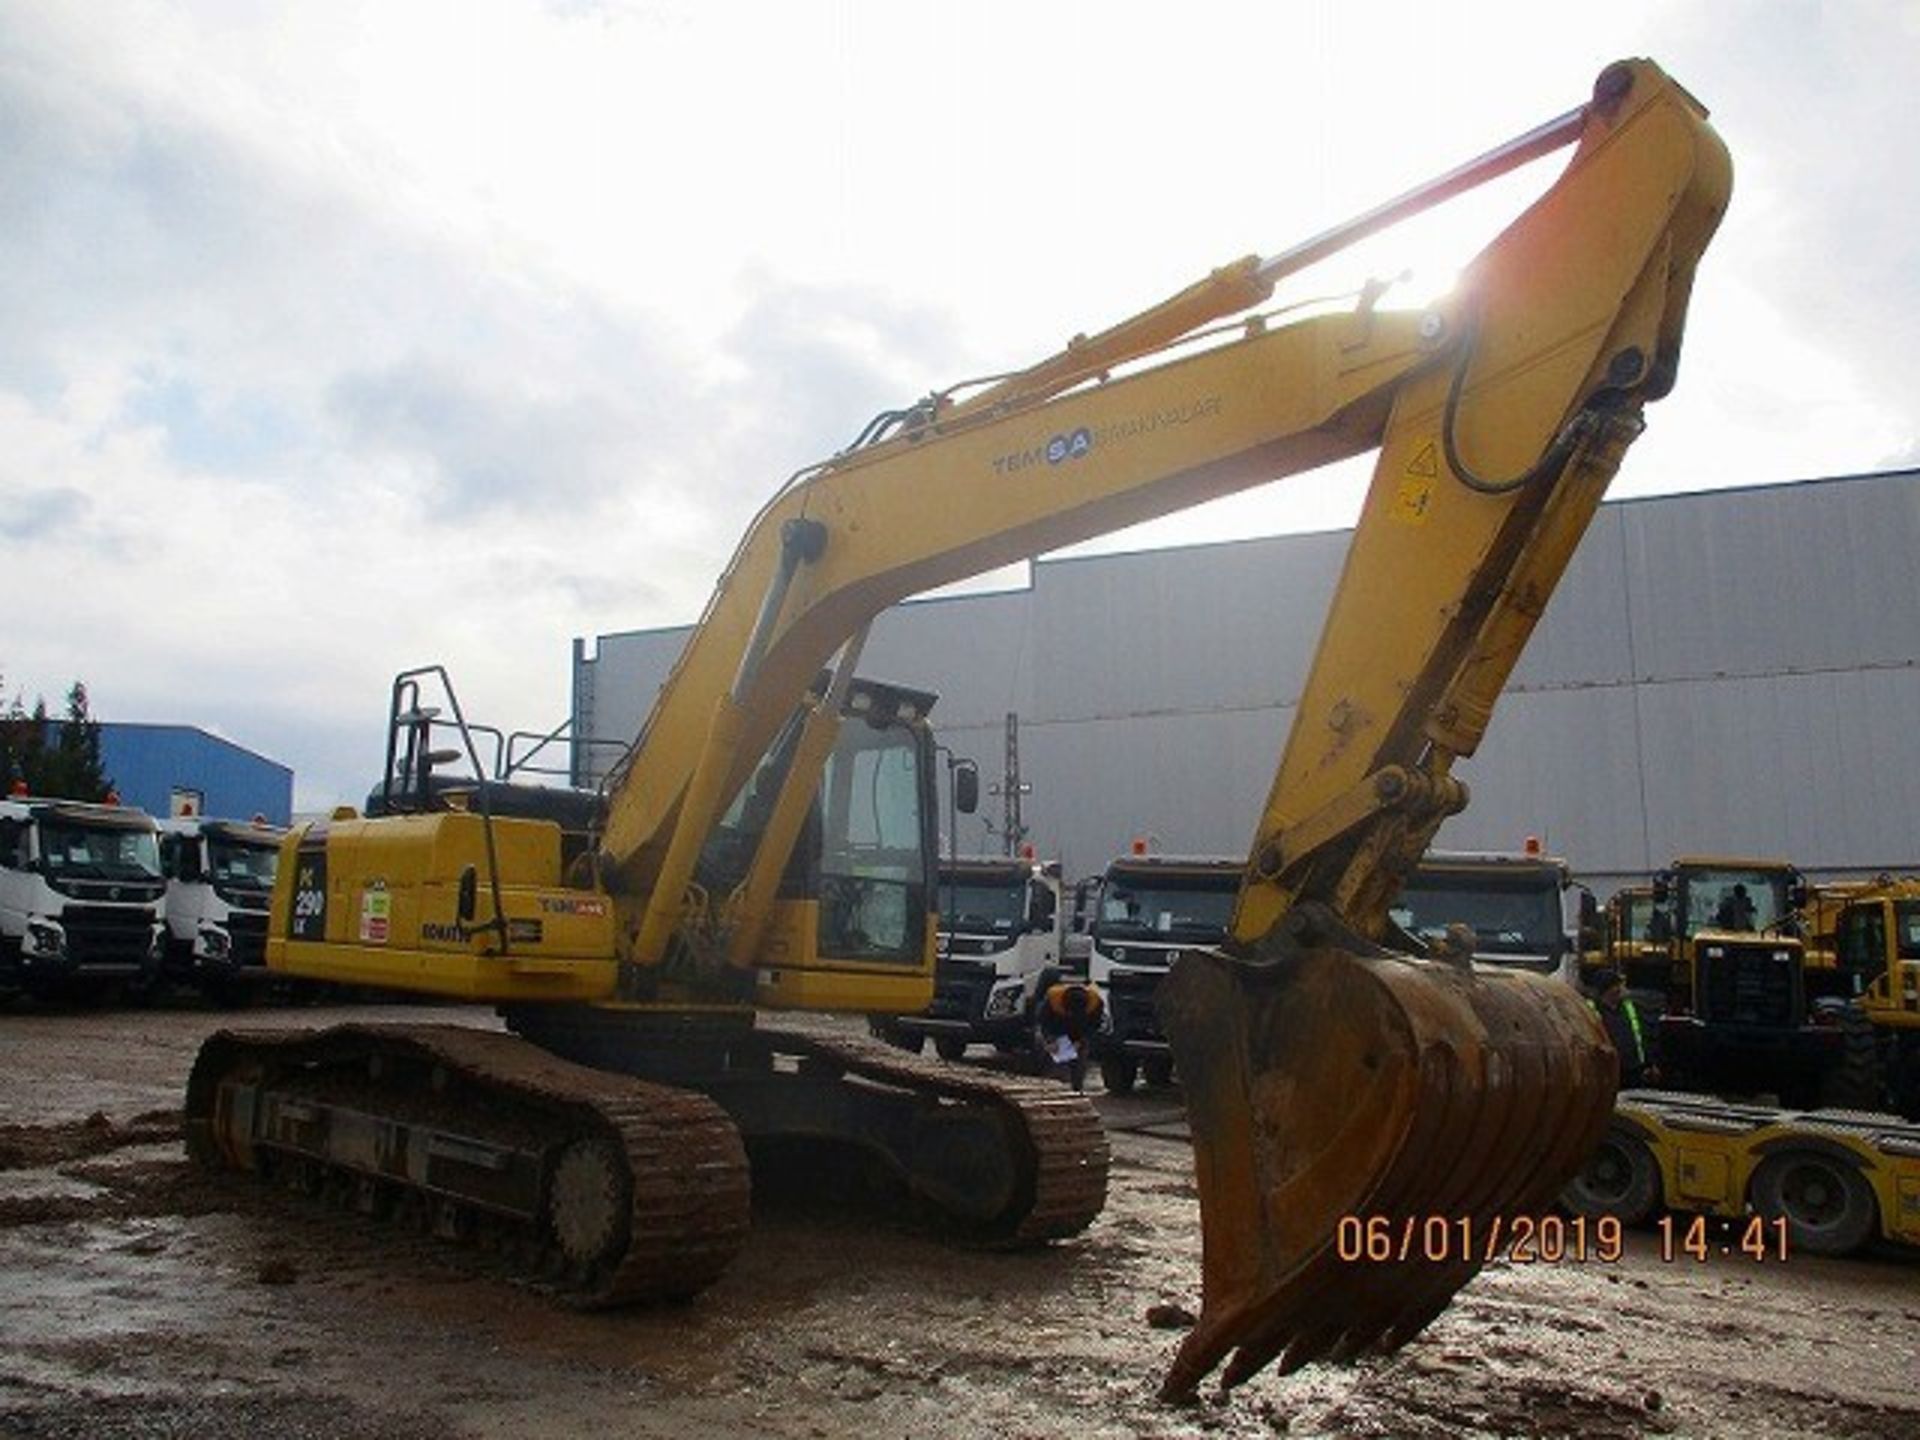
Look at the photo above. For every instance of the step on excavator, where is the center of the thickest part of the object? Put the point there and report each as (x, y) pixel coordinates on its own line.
(768, 843)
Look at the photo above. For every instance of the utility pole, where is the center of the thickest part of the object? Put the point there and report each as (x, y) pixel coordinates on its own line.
(1012, 828)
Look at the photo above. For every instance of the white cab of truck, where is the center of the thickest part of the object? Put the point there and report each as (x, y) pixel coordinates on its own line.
(1151, 910)
(82, 900)
(219, 886)
(1520, 907)
(1000, 933)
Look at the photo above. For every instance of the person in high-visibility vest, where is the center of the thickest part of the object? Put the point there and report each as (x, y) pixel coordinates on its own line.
(1629, 1033)
(1069, 1014)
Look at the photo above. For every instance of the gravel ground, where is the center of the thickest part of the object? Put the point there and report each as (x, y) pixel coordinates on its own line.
(141, 1299)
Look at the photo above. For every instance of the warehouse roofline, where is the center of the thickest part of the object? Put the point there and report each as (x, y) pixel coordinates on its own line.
(190, 729)
(1859, 477)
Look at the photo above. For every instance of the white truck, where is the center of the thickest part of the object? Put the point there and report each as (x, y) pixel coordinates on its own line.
(1151, 910)
(219, 884)
(82, 899)
(1000, 934)
(1521, 907)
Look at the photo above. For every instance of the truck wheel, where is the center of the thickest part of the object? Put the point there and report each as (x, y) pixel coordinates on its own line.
(1117, 1073)
(1829, 1209)
(1157, 1072)
(1621, 1179)
(949, 1047)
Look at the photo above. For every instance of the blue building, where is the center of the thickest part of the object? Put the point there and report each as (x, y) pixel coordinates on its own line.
(180, 770)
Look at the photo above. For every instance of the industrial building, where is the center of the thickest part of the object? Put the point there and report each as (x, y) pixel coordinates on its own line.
(1730, 671)
(182, 770)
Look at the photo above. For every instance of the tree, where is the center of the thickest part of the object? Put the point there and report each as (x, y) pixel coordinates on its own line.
(21, 742)
(54, 758)
(76, 764)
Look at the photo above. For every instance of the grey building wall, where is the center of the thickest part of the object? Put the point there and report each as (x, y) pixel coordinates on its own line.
(1734, 671)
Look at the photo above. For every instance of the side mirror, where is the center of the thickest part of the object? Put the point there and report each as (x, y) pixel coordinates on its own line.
(966, 788)
(469, 895)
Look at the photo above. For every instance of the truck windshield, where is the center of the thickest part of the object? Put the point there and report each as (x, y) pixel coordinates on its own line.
(1182, 907)
(1732, 899)
(978, 905)
(1508, 915)
(239, 864)
(84, 852)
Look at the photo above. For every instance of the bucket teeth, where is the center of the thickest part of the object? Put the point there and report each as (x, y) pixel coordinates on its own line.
(1368, 1131)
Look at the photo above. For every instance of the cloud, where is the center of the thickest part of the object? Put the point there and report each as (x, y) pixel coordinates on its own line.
(32, 514)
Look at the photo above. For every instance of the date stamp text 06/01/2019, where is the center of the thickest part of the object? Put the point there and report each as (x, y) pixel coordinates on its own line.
(1550, 1239)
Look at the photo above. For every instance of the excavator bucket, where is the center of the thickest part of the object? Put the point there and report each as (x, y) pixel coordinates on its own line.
(1368, 1130)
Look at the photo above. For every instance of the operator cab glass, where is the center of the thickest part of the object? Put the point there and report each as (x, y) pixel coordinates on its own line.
(1738, 898)
(875, 824)
(1636, 917)
(1862, 941)
(1906, 921)
(866, 851)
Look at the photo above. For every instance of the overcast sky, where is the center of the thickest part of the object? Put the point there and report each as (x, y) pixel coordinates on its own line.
(342, 337)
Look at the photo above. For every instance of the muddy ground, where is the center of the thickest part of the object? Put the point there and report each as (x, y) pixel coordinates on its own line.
(139, 1300)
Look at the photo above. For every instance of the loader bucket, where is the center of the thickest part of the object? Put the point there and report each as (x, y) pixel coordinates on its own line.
(1360, 1125)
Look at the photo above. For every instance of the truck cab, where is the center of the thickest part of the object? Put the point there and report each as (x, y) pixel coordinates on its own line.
(219, 887)
(1000, 931)
(82, 899)
(1152, 909)
(1515, 904)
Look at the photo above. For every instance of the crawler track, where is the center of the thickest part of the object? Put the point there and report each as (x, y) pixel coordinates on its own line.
(1063, 1152)
(609, 1189)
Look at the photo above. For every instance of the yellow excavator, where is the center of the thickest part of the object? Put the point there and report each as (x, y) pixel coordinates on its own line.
(768, 843)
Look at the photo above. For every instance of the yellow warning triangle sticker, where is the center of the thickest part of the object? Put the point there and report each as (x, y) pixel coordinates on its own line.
(1424, 462)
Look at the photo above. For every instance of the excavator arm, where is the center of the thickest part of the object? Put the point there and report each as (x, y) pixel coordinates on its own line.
(1499, 417)
(1326, 1078)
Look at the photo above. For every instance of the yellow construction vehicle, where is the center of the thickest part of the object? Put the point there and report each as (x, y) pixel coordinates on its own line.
(1866, 934)
(1824, 1182)
(768, 844)
(1634, 946)
(1739, 1017)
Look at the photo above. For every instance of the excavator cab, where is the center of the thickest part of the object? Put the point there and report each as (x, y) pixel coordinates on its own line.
(862, 868)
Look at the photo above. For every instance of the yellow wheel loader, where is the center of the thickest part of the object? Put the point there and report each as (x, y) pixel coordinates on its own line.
(1864, 943)
(768, 843)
